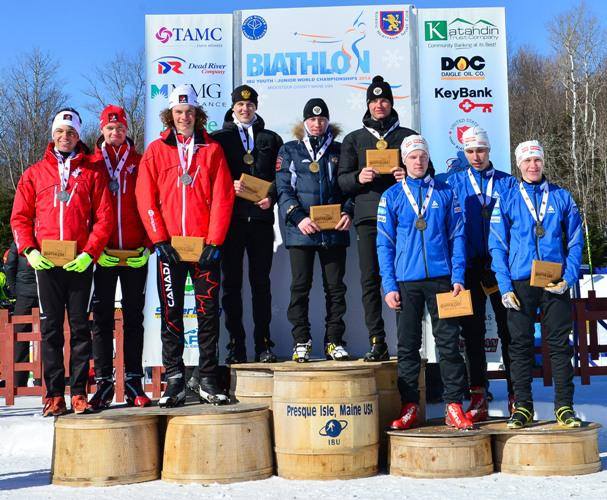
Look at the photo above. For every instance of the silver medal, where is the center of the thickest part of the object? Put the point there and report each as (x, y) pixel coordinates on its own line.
(186, 179)
(63, 196)
(114, 186)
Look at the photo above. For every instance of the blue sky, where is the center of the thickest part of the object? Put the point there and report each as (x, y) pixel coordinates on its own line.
(83, 34)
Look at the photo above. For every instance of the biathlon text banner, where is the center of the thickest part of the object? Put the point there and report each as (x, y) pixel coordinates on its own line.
(463, 82)
(292, 55)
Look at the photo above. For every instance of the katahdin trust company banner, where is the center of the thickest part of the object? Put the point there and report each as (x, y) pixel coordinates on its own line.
(195, 50)
(463, 75)
(292, 55)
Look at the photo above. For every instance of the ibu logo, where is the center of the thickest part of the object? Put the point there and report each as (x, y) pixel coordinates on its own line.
(254, 27)
(333, 428)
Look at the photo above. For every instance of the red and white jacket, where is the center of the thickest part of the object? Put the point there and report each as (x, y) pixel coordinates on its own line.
(86, 217)
(168, 207)
(129, 232)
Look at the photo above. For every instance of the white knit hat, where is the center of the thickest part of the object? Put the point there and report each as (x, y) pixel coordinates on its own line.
(67, 117)
(183, 94)
(475, 137)
(411, 143)
(528, 149)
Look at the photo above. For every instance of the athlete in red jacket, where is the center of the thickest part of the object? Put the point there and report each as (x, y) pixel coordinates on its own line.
(63, 197)
(185, 189)
(116, 153)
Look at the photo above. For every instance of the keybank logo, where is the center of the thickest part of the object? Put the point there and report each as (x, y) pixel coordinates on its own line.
(459, 29)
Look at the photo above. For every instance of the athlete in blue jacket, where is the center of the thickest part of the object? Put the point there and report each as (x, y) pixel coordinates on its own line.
(477, 188)
(306, 176)
(537, 220)
(421, 252)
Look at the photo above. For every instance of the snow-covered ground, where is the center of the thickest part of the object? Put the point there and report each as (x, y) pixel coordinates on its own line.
(26, 444)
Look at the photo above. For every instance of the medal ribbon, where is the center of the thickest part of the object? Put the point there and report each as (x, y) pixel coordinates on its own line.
(538, 219)
(376, 134)
(316, 157)
(411, 198)
(115, 174)
(64, 168)
(186, 152)
(483, 200)
(246, 139)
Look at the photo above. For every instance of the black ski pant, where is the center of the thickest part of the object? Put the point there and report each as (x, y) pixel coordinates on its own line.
(414, 295)
(370, 280)
(333, 268)
(257, 238)
(171, 289)
(132, 284)
(23, 307)
(474, 330)
(60, 290)
(556, 320)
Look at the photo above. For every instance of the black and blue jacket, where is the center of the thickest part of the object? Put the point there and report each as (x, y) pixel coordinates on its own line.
(298, 189)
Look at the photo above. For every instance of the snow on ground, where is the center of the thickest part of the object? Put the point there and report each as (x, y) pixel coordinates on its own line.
(26, 446)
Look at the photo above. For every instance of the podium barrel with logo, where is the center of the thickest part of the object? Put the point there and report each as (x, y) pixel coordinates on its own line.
(325, 422)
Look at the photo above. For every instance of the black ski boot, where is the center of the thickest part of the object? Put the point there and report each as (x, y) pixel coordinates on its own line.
(266, 356)
(174, 394)
(522, 416)
(103, 395)
(378, 352)
(237, 353)
(566, 417)
(210, 392)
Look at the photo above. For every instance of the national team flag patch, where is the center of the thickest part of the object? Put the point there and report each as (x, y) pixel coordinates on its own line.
(183, 99)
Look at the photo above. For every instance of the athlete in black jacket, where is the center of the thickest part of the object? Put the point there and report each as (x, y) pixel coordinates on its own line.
(251, 149)
(381, 130)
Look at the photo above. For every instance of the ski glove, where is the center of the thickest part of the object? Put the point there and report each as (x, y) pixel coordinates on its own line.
(106, 260)
(510, 301)
(559, 288)
(142, 260)
(166, 253)
(2, 279)
(80, 263)
(210, 256)
(38, 261)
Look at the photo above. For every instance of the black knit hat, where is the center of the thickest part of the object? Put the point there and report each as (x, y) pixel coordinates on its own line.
(379, 88)
(315, 107)
(244, 93)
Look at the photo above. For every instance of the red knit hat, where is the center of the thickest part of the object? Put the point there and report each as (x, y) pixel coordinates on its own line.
(112, 114)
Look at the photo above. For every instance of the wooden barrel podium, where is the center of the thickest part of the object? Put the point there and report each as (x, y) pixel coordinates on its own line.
(217, 444)
(252, 383)
(546, 449)
(440, 452)
(106, 449)
(325, 421)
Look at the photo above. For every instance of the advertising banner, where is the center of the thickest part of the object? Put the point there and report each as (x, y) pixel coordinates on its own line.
(195, 50)
(463, 82)
(292, 55)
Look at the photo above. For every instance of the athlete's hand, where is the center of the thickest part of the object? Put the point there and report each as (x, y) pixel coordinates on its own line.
(367, 175)
(142, 260)
(265, 203)
(307, 226)
(80, 263)
(510, 301)
(38, 261)
(239, 187)
(106, 260)
(457, 287)
(559, 288)
(344, 223)
(166, 253)
(393, 300)
(398, 173)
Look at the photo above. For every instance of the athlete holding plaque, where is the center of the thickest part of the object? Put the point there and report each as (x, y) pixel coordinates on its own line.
(306, 176)
(116, 153)
(185, 189)
(381, 131)
(421, 250)
(250, 149)
(64, 197)
(536, 222)
(477, 187)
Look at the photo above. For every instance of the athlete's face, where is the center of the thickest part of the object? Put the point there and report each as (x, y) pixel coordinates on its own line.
(244, 111)
(478, 157)
(416, 163)
(317, 125)
(114, 133)
(532, 169)
(380, 108)
(184, 117)
(65, 138)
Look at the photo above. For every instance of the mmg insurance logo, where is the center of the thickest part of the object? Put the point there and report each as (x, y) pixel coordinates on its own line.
(459, 29)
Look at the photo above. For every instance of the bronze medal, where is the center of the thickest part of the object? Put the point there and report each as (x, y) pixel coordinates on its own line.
(421, 224)
(248, 158)
(114, 186)
(540, 232)
(314, 167)
(381, 144)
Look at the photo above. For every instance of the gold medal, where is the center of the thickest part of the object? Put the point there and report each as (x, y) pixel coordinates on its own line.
(381, 144)
(314, 167)
(248, 158)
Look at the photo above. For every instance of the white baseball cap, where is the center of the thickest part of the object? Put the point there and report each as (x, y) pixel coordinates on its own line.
(183, 94)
